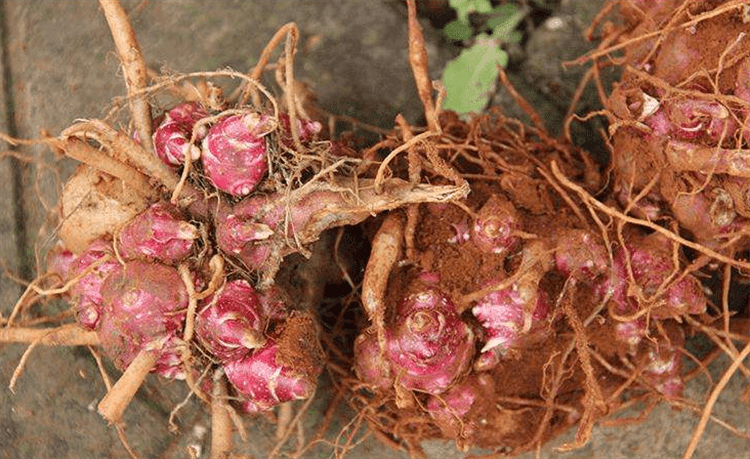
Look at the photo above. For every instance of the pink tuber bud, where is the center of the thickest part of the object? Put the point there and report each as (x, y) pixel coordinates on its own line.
(452, 411)
(689, 119)
(631, 332)
(463, 233)
(144, 309)
(159, 233)
(235, 232)
(307, 129)
(651, 262)
(235, 153)
(429, 346)
(663, 370)
(86, 294)
(253, 230)
(507, 317)
(515, 314)
(264, 383)
(230, 326)
(580, 254)
(369, 362)
(709, 215)
(59, 261)
(172, 136)
(494, 227)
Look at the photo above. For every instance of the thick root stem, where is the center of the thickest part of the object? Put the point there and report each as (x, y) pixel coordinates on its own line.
(118, 398)
(65, 335)
(133, 64)
(386, 250)
(85, 153)
(221, 420)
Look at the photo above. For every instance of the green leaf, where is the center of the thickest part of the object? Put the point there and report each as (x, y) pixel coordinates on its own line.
(505, 10)
(465, 7)
(514, 37)
(470, 78)
(506, 18)
(458, 30)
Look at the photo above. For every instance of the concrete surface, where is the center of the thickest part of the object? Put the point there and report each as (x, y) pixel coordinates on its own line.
(58, 65)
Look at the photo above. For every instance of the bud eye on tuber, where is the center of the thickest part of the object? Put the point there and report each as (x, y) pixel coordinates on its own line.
(494, 226)
(506, 319)
(86, 294)
(235, 156)
(144, 306)
(264, 383)
(430, 346)
(172, 136)
(230, 326)
(158, 233)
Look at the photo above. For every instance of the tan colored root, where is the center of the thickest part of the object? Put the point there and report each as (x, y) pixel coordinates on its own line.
(217, 277)
(725, 345)
(112, 406)
(134, 67)
(124, 149)
(119, 426)
(386, 250)
(590, 200)
(536, 260)
(680, 404)
(27, 298)
(712, 401)
(607, 50)
(21, 365)
(64, 335)
(566, 197)
(380, 175)
(323, 426)
(187, 279)
(69, 284)
(265, 56)
(217, 265)
(366, 201)
(522, 103)
(169, 83)
(291, 427)
(292, 103)
(284, 416)
(420, 68)
(85, 153)
(594, 405)
(221, 421)
(121, 434)
(415, 172)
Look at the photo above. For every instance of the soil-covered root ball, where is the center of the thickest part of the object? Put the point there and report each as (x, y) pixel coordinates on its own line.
(503, 319)
(679, 117)
(171, 235)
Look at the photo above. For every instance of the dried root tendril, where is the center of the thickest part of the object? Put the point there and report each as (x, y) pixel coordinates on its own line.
(586, 197)
(133, 64)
